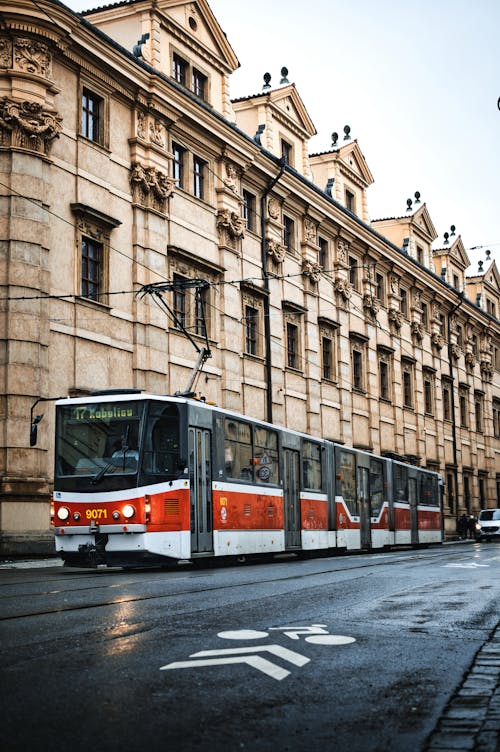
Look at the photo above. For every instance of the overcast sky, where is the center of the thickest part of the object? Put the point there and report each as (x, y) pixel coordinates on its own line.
(418, 83)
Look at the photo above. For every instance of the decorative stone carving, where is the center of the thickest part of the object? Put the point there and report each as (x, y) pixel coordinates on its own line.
(32, 56)
(5, 53)
(394, 284)
(486, 370)
(156, 130)
(456, 351)
(141, 125)
(310, 230)
(312, 270)
(470, 360)
(395, 318)
(275, 250)
(28, 126)
(150, 187)
(231, 176)
(417, 331)
(273, 207)
(437, 340)
(343, 288)
(231, 222)
(342, 250)
(371, 305)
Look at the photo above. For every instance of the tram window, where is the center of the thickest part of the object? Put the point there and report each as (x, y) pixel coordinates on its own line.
(346, 481)
(266, 456)
(161, 455)
(238, 449)
(376, 486)
(400, 475)
(429, 490)
(311, 465)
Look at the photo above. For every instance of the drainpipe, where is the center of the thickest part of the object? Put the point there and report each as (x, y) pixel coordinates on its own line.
(267, 321)
(452, 379)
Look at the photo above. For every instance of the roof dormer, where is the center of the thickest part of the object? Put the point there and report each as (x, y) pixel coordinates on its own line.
(413, 233)
(182, 40)
(278, 121)
(483, 288)
(451, 261)
(344, 174)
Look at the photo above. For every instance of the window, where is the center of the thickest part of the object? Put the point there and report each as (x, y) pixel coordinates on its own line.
(311, 465)
(450, 495)
(376, 486)
(249, 210)
(178, 164)
(420, 254)
(250, 452)
(496, 418)
(400, 482)
(478, 411)
(464, 411)
(425, 315)
(358, 365)
(192, 305)
(403, 303)
(199, 177)
(199, 84)
(251, 330)
(456, 281)
(93, 229)
(286, 151)
(482, 491)
(323, 253)
(429, 393)
(380, 287)
(92, 263)
(346, 480)
(407, 384)
(292, 345)
(460, 335)
(490, 307)
(180, 306)
(384, 372)
(92, 116)
(179, 70)
(350, 200)
(353, 271)
(327, 358)
(447, 400)
(289, 234)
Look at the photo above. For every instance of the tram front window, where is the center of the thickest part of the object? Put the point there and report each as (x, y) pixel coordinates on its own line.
(162, 457)
(97, 440)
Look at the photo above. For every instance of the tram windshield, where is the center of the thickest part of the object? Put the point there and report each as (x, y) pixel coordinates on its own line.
(97, 440)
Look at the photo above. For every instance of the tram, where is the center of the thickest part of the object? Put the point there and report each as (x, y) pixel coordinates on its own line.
(141, 478)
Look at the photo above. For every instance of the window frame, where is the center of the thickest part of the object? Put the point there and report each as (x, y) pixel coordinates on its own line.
(101, 99)
(199, 177)
(289, 234)
(249, 209)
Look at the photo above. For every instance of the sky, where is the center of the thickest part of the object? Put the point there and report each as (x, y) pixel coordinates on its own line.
(417, 82)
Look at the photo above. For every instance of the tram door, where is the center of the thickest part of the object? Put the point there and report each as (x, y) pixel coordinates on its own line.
(413, 499)
(200, 475)
(291, 490)
(363, 493)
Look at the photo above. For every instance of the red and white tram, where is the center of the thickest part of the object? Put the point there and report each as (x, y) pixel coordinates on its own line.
(143, 478)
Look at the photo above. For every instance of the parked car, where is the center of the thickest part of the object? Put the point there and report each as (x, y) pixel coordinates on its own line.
(488, 524)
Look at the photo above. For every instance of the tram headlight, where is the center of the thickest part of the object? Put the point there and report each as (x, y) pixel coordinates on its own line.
(63, 513)
(116, 515)
(128, 511)
(76, 516)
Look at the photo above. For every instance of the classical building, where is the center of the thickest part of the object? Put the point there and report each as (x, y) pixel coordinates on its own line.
(124, 163)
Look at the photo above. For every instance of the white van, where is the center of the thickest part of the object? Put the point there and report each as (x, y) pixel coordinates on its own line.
(488, 524)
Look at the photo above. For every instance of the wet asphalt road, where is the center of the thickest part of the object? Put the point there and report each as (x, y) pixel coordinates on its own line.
(355, 653)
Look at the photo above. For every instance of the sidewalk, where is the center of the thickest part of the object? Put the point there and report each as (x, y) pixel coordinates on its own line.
(471, 720)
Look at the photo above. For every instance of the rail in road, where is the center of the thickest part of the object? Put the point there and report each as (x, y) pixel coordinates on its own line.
(359, 653)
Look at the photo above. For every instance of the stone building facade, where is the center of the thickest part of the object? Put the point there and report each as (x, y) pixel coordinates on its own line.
(124, 163)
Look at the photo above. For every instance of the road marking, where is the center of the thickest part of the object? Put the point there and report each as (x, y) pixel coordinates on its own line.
(243, 634)
(242, 655)
(295, 632)
(468, 565)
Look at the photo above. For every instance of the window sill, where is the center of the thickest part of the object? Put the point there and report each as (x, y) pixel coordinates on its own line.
(92, 303)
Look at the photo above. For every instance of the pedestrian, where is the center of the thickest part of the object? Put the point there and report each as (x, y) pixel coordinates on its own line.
(471, 526)
(462, 526)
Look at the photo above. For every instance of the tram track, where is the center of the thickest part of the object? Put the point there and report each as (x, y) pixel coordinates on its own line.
(68, 608)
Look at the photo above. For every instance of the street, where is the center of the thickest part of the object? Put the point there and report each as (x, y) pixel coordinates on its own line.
(359, 653)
